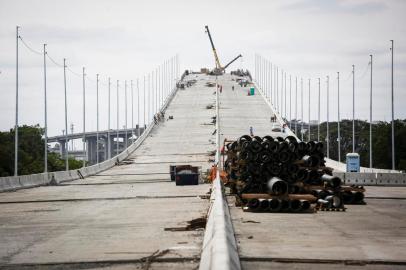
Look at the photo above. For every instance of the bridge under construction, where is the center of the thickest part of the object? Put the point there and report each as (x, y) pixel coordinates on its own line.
(131, 215)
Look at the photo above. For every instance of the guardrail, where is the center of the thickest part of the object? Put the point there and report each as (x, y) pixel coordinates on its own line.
(12, 183)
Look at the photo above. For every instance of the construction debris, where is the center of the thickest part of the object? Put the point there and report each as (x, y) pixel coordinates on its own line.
(210, 84)
(284, 175)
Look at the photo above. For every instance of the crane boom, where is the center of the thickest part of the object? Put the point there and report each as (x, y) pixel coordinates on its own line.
(216, 58)
(232, 61)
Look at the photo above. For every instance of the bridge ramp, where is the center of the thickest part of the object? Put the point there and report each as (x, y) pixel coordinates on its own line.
(117, 219)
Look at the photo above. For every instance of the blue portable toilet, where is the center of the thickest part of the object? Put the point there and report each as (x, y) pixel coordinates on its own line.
(352, 160)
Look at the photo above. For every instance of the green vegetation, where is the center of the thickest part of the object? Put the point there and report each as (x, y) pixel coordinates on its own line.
(381, 142)
(30, 153)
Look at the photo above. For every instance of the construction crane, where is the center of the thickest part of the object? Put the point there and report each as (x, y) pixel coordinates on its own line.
(219, 70)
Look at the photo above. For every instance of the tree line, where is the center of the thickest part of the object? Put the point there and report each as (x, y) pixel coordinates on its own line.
(381, 142)
(31, 145)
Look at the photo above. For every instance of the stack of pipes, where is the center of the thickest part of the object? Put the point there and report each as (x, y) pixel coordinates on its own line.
(283, 174)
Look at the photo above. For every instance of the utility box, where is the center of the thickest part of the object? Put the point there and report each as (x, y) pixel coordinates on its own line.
(352, 160)
(186, 179)
(184, 174)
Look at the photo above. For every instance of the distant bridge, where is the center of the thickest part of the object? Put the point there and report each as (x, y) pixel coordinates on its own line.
(111, 142)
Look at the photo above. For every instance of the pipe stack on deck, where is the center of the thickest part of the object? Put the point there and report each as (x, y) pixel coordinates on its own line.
(265, 173)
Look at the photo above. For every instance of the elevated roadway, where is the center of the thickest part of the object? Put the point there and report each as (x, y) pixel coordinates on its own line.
(133, 216)
(129, 216)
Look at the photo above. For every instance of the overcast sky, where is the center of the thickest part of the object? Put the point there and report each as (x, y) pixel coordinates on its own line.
(125, 40)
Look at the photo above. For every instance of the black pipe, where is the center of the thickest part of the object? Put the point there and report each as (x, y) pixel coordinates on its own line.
(332, 181)
(311, 161)
(305, 205)
(311, 146)
(284, 205)
(277, 186)
(295, 205)
(302, 175)
(334, 201)
(358, 197)
(274, 205)
(253, 204)
(348, 197)
(283, 156)
(264, 204)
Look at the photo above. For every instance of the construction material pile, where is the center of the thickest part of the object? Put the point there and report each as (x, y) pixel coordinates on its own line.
(284, 174)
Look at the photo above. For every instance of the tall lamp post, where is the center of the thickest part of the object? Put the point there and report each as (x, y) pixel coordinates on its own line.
(393, 115)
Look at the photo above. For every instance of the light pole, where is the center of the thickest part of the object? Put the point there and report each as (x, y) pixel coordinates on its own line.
(328, 117)
(301, 102)
(281, 93)
(66, 117)
(149, 99)
(271, 84)
(296, 108)
(393, 115)
(144, 106)
(309, 112)
(338, 117)
(118, 124)
(290, 101)
(45, 114)
(132, 110)
(125, 116)
(353, 108)
(97, 118)
(318, 115)
(370, 119)
(285, 98)
(138, 109)
(108, 123)
(156, 92)
(278, 95)
(84, 116)
(16, 124)
(152, 95)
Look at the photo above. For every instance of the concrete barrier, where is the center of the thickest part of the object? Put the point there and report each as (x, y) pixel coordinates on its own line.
(12, 183)
(34, 180)
(363, 179)
(391, 179)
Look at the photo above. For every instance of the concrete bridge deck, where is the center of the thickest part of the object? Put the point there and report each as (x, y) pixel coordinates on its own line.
(117, 219)
(374, 233)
